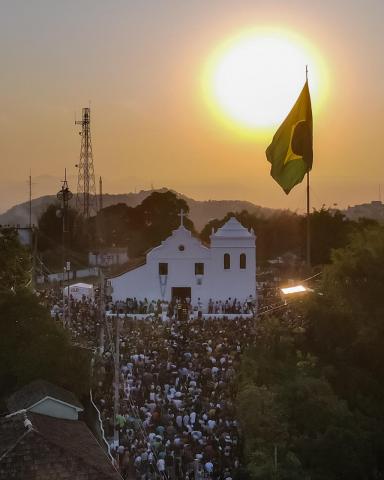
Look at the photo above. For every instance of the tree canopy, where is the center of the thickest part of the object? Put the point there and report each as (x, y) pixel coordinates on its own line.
(311, 389)
(285, 232)
(141, 227)
(135, 228)
(32, 344)
(50, 237)
(15, 262)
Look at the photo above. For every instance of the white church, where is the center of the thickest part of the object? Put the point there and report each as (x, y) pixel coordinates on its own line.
(185, 268)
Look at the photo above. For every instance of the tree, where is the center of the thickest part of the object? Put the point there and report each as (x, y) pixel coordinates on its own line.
(33, 346)
(345, 323)
(285, 232)
(159, 213)
(297, 409)
(329, 230)
(276, 235)
(15, 263)
(50, 237)
(142, 227)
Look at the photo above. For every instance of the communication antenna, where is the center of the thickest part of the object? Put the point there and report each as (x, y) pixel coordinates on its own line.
(86, 190)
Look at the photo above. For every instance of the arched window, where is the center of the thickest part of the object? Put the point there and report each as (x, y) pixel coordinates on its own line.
(243, 261)
(227, 261)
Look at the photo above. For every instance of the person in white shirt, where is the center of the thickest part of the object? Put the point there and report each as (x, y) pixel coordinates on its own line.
(161, 466)
(192, 418)
(208, 467)
(186, 420)
(211, 424)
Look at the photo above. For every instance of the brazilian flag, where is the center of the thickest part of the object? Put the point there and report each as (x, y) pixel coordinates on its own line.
(291, 151)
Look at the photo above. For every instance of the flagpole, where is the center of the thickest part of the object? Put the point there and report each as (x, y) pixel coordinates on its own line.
(308, 227)
(308, 205)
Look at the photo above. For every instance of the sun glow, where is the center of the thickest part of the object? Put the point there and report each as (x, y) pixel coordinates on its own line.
(252, 81)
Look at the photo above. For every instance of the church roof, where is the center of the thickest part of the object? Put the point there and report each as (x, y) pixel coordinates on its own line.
(232, 229)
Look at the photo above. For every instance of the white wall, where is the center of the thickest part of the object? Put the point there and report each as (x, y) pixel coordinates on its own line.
(217, 283)
(144, 282)
(56, 409)
(235, 282)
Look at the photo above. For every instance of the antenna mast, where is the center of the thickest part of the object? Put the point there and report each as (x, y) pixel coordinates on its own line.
(86, 190)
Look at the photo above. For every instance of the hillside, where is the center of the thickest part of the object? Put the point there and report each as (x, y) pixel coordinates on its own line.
(201, 211)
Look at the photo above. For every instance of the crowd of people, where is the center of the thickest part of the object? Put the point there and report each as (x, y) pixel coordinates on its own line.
(177, 383)
(177, 416)
(132, 306)
(80, 316)
(231, 306)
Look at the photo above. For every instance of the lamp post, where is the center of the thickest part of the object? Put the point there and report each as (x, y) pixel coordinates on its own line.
(64, 196)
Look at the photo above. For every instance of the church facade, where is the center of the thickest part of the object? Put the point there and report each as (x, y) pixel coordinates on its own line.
(183, 267)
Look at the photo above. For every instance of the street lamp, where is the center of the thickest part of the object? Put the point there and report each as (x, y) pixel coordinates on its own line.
(295, 289)
(64, 196)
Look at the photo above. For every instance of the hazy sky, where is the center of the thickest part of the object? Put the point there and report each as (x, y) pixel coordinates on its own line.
(140, 65)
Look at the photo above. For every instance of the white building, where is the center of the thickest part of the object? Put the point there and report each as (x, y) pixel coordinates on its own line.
(183, 267)
(45, 398)
(107, 257)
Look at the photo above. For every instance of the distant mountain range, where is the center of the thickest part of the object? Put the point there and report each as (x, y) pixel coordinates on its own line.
(201, 211)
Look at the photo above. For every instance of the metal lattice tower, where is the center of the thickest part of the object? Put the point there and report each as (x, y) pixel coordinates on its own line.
(86, 191)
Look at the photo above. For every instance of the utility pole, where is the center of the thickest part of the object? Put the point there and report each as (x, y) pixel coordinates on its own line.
(34, 254)
(65, 195)
(117, 380)
(101, 309)
(30, 199)
(275, 467)
(86, 191)
(32, 233)
(100, 193)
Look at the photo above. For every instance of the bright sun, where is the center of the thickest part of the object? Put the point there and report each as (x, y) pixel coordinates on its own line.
(254, 79)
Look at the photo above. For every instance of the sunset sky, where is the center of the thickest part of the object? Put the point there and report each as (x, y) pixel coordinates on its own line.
(142, 66)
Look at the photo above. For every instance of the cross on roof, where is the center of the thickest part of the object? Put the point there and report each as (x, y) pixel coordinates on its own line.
(181, 215)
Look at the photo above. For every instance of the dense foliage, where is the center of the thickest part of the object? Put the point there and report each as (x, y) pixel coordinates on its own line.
(15, 262)
(142, 227)
(32, 345)
(285, 232)
(50, 238)
(135, 228)
(311, 398)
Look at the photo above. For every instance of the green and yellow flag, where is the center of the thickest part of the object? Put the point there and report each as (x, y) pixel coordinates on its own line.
(291, 152)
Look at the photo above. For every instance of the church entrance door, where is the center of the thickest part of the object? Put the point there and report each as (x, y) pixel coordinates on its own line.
(181, 292)
(180, 296)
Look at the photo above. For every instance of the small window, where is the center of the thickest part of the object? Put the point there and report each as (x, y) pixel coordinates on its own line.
(199, 268)
(163, 268)
(181, 248)
(243, 261)
(227, 261)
